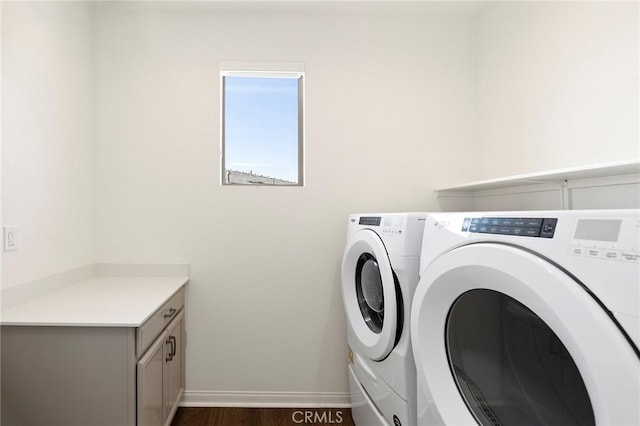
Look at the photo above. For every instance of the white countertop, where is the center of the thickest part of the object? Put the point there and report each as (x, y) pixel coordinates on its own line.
(97, 302)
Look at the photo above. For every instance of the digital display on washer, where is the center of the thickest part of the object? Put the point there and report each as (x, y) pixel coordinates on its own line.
(520, 226)
(598, 230)
(370, 220)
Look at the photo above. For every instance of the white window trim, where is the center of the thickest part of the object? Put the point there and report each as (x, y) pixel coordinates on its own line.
(263, 74)
(262, 66)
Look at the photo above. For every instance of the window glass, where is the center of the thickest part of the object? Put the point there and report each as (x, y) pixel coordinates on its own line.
(369, 291)
(262, 129)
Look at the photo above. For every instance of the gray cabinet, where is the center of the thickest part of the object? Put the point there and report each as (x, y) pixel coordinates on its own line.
(95, 375)
(160, 376)
(174, 372)
(151, 392)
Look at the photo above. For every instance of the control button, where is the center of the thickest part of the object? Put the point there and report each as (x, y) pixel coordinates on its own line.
(578, 251)
(593, 252)
(465, 225)
(630, 256)
(611, 255)
(510, 221)
(534, 223)
(531, 232)
(548, 228)
(505, 230)
(517, 230)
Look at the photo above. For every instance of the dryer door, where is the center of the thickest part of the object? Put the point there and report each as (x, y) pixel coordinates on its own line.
(504, 337)
(369, 294)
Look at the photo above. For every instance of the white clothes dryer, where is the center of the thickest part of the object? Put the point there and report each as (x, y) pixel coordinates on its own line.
(529, 318)
(379, 275)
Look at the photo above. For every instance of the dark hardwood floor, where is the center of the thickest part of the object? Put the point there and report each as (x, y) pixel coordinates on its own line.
(214, 416)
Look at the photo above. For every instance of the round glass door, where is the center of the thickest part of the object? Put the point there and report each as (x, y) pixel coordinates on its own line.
(510, 367)
(502, 336)
(369, 292)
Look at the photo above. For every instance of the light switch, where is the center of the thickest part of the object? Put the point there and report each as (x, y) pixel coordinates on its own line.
(10, 238)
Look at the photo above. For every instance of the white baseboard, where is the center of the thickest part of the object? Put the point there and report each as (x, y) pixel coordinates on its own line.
(266, 399)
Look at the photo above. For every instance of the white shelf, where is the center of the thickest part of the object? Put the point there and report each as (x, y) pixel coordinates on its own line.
(550, 177)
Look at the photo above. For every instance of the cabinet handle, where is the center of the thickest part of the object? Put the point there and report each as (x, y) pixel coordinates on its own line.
(171, 341)
(171, 313)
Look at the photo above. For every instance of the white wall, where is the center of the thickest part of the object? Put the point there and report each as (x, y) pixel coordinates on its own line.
(47, 149)
(557, 85)
(388, 105)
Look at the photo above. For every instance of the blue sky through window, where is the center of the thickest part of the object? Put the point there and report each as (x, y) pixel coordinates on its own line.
(261, 126)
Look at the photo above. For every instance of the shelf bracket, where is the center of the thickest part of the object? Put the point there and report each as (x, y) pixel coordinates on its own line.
(566, 195)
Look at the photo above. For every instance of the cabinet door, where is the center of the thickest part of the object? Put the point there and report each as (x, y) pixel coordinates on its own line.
(151, 411)
(174, 366)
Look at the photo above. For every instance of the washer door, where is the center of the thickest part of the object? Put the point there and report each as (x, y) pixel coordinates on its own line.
(369, 294)
(502, 336)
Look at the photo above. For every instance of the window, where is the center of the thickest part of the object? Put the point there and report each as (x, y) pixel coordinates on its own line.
(262, 124)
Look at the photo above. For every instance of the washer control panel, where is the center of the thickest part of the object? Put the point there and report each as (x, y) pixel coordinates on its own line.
(519, 226)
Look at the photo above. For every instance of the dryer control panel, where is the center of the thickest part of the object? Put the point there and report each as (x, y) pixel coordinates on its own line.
(607, 238)
(525, 227)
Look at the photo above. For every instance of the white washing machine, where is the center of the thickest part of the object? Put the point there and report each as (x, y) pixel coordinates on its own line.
(529, 318)
(379, 275)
